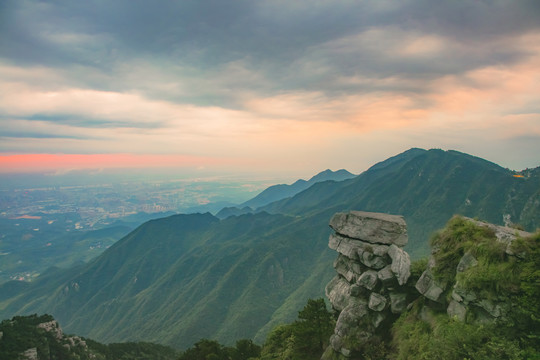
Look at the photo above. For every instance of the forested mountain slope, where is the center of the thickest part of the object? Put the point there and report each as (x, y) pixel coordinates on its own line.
(282, 191)
(427, 188)
(179, 279)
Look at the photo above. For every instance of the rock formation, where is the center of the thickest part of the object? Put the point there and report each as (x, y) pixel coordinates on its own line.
(461, 302)
(371, 269)
(56, 335)
(370, 289)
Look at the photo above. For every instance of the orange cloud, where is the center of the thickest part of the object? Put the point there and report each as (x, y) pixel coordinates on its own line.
(274, 130)
(499, 99)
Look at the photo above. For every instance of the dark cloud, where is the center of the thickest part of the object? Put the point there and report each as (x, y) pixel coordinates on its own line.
(475, 20)
(291, 45)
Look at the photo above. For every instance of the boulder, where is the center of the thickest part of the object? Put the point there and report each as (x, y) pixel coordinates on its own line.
(428, 287)
(354, 328)
(386, 276)
(377, 302)
(491, 307)
(401, 264)
(371, 260)
(368, 279)
(379, 250)
(374, 228)
(398, 302)
(457, 310)
(378, 318)
(346, 268)
(344, 246)
(338, 292)
(371, 255)
(350, 317)
(336, 342)
(359, 291)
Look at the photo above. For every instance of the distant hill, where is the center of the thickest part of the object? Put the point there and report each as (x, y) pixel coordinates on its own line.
(282, 191)
(182, 278)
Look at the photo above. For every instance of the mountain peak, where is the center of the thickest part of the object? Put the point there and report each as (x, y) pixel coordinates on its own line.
(328, 174)
(279, 192)
(403, 157)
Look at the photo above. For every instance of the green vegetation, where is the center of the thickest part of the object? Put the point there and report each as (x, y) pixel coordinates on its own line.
(440, 337)
(183, 278)
(306, 338)
(206, 349)
(458, 237)
(26, 253)
(188, 277)
(428, 188)
(25, 334)
(496, 270)
(510, 280)
(423, 332)
(132, 351)
(526, 309)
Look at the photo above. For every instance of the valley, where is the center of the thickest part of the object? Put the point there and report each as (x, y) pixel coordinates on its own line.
(185, 277)
(63, 225)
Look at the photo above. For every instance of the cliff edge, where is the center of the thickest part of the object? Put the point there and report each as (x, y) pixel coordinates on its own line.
(478, 274)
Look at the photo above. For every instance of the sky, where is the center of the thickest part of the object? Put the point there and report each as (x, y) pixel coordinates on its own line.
(268, 86)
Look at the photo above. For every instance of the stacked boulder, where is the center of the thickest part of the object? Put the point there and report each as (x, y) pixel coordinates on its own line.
(371, 269)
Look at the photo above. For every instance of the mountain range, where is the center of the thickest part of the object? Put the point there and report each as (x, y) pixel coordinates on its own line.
(181, 278)
(282, 191)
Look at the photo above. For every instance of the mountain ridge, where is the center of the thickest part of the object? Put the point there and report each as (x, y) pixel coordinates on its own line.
(281, 191)
(182, 278)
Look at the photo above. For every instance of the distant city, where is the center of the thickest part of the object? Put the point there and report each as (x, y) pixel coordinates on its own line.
(40, 226)
(95, 206)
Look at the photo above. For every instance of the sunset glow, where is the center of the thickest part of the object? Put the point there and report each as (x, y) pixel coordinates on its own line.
(339, 86)
(64, 162)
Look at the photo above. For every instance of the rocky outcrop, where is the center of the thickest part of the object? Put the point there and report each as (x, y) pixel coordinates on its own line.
(465, 276)
(428, 286)
(30, 354)
(461, 301)
(504, 234)
(52, 327)
(57, 335)
(371, 269)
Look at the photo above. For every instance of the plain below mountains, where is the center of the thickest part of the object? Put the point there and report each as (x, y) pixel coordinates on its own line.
(182, 278)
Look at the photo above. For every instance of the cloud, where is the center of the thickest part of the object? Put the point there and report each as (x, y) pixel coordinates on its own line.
(211, 52)
(267, 80)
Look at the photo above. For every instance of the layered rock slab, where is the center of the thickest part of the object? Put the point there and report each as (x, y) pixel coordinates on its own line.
(375, 228)
(371, 269)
